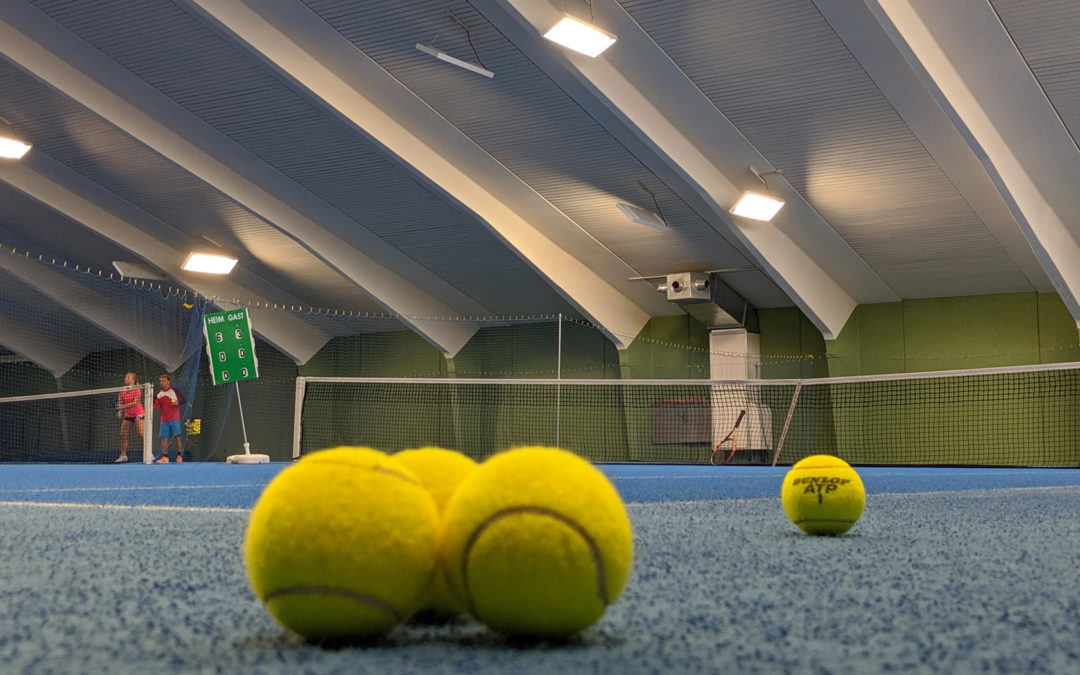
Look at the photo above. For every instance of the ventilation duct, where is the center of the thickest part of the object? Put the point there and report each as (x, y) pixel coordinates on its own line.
(709, 300)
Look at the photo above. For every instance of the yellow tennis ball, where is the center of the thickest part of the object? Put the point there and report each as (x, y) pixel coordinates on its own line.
(342, 545)
(537, 542)
(440, 471)
(822, 494)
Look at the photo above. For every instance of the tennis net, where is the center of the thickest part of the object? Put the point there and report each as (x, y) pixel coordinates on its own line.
(77, 426)
(1019, 416)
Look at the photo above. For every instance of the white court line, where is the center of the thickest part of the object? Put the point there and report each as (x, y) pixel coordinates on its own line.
(128, 507)
(655, 477)
(727, 474)
(869, 495)
(129, 488)
(1017, 488)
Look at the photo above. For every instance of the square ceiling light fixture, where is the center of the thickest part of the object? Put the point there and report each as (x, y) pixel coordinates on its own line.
(11, 146)
(757, 206)
(209, 263)
(581, 36)
(137, 270)
(636, 214)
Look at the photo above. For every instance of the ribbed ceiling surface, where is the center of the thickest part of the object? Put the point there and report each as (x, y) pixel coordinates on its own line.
(51, 320)
(776, 69)
(237, 95)
(86, 144)
(29, 226)
(532, 127)
(1047, 33)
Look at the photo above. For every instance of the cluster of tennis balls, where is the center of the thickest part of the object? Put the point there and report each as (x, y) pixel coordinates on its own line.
(350, 542)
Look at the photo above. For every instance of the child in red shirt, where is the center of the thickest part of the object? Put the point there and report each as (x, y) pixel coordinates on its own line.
(169, 403)
(129, 409)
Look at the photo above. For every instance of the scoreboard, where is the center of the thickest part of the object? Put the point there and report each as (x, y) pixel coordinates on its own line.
(230, 345)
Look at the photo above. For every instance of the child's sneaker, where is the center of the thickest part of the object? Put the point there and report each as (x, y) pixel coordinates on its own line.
(179, 459)
(162, 460)
(120, 460)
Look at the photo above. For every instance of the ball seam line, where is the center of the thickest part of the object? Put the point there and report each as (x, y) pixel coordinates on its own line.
(376, 468)
(362, 598)
(391, 472)
(594, 550)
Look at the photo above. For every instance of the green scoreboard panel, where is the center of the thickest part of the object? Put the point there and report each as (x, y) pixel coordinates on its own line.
(231, 346)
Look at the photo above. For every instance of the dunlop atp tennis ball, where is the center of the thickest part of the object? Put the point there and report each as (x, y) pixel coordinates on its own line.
(822, 494)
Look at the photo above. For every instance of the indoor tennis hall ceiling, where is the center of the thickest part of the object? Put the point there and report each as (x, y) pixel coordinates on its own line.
(923, 149)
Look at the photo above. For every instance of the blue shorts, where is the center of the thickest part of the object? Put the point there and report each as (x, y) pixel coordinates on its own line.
(170, 429)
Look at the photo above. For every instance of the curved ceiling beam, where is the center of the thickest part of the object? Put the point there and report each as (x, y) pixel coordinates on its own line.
(650, 105)
(37, 346)
(883, 62)
(968, 62)
(56, 56)
(161, 344)
(320, 60)
(95, 208)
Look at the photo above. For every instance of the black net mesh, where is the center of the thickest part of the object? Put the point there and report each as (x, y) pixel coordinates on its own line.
(1001, 417)
(68, 329)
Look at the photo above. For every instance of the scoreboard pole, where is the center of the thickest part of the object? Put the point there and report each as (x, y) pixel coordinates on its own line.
(230, 344)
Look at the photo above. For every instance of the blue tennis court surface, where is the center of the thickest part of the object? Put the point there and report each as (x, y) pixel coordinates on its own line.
(137, 569)
(228, 486)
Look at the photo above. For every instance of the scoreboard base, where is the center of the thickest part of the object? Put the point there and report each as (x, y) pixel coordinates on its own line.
(248, 459)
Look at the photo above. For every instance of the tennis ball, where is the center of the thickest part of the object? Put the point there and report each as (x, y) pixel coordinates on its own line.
(440, 472)
(342, 545)
(536, 542)
(822, 494)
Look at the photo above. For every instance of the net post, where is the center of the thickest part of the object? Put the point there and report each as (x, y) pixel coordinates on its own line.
(787, 422)
(298, 411)
(148, 424)
(558, 387)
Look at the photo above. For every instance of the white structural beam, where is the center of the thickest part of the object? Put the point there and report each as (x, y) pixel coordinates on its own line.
(969, 64)
(37, 346)
(161, 344)
(320, 60)
(647, 102)
(56, 56)
(883, 62)
(39, 176)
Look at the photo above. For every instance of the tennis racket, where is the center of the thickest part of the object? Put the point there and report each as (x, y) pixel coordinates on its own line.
(718, 449)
